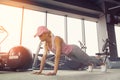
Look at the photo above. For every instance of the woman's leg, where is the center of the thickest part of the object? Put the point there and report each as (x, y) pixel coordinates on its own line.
(80, 56)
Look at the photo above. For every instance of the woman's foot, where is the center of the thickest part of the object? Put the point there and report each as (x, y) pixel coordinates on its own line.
(103, 67)
(90, 68)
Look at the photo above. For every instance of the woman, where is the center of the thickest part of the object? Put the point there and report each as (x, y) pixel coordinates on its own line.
(59, 47)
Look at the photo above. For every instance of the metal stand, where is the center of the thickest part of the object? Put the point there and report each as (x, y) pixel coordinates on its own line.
(36, 56)
(105, 50)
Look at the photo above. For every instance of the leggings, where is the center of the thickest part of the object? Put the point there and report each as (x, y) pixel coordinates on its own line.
(80, 56)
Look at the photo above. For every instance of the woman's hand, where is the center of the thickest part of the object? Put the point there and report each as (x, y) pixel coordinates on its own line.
(50, 73)
(37, 73)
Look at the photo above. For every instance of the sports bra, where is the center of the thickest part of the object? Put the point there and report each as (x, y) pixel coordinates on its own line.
(66, 49)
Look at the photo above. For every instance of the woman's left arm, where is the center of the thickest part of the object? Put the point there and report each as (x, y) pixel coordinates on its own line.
(58, 45)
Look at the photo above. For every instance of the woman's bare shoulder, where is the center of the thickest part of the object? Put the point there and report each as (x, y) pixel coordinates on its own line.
(58, 38)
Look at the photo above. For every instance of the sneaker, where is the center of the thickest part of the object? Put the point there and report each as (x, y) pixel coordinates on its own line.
(90, 68)
(104, 68)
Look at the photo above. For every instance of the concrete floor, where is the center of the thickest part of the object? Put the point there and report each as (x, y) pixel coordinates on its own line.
(111, 74)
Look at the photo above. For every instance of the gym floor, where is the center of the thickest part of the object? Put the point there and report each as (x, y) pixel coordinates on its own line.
(111, 74)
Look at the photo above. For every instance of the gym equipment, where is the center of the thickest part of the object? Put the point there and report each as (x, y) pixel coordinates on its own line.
(18, 58)
(64, 63)
(2, 30)
(82, 46)
(36, 56)
(105, 50)
(3, 60)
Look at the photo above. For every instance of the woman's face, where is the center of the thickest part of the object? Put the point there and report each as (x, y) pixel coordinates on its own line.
(43, 37)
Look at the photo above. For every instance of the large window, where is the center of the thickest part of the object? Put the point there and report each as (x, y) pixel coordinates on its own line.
(70, 29)
(74, 31)
(10, 19)
(117, 31)
(32, 19)
(56, 24)
(91, 38)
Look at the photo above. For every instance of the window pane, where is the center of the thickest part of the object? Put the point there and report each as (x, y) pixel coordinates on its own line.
(91, 38)
(10, 19)
(32, 19)
(74, 31)
(117, 31)
(56, 24)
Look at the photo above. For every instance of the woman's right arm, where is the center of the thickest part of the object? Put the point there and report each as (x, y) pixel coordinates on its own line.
(43, 58)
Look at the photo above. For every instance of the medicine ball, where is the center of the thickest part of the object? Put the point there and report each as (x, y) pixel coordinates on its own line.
(19, 57)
